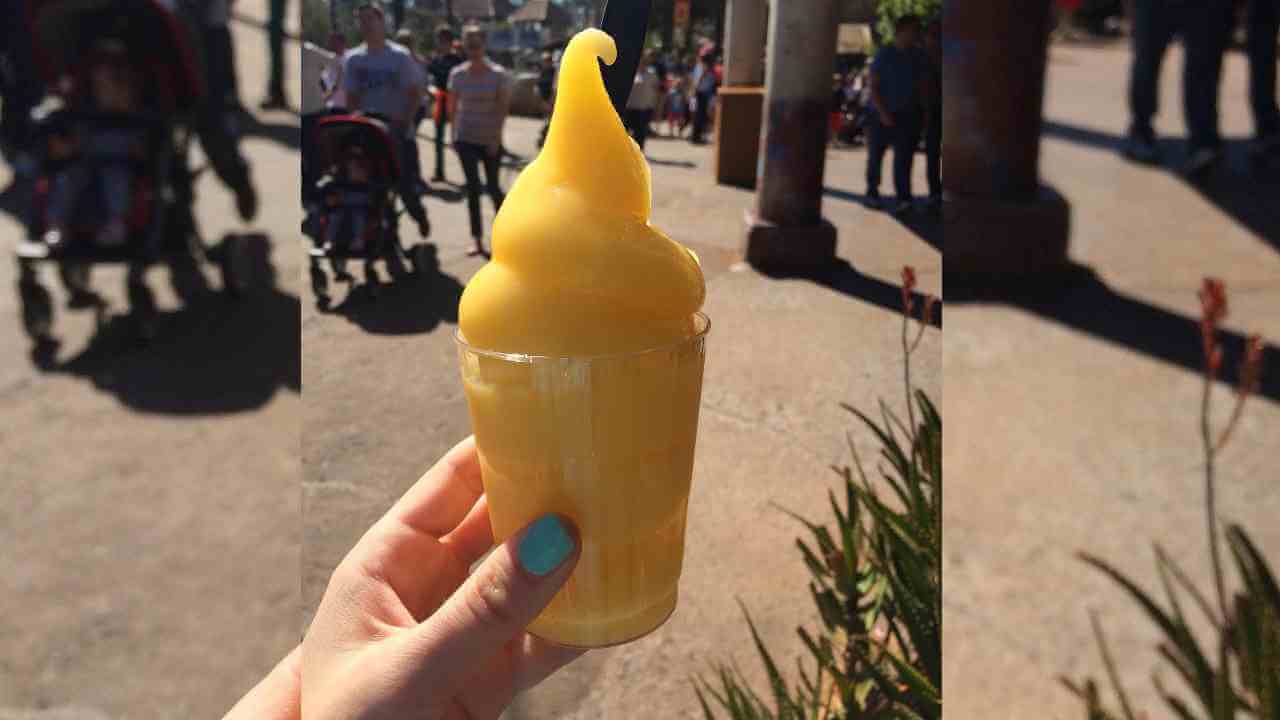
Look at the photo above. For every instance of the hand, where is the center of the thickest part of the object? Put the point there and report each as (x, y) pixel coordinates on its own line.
(403, 631)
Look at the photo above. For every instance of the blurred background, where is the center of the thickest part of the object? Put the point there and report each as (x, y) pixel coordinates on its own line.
(149, 482)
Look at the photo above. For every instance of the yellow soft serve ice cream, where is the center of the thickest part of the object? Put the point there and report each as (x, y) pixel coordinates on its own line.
(582, 355)
(577, 269)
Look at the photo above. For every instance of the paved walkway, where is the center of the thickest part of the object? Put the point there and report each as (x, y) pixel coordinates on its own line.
(384, 400)
(149, 498)
(1073, 422)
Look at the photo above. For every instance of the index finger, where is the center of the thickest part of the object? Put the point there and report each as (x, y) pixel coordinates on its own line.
(443, 496)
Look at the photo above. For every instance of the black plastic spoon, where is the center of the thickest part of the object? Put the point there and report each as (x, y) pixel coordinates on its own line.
(627, 21)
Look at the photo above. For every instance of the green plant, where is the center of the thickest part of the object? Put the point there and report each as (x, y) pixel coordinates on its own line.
(888, 11)
(876, 582)
(1239, 675)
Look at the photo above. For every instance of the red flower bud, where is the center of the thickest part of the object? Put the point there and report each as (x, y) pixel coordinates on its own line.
(908, 285)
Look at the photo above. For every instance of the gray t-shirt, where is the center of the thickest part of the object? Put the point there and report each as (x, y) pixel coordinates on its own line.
(381, 78)
(900, 73)
(481, 97)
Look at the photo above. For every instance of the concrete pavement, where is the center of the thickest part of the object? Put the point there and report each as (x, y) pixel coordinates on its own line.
(149, 497)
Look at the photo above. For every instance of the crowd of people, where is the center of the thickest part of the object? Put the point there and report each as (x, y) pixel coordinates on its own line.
(467, 95)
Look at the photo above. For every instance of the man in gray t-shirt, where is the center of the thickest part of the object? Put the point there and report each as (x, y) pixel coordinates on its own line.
(382, 77)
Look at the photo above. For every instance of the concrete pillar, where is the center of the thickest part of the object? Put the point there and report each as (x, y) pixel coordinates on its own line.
(998, 218)
(744, 37)
(786, 228)
(741, 102)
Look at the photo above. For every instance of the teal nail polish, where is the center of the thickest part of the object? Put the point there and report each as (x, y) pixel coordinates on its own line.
(546, 544)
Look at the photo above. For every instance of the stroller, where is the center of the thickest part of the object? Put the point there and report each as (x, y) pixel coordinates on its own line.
(104, 169)
(349, 193)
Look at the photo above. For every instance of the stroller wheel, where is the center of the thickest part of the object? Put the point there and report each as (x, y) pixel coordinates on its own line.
(395, 261)
(188, 281)
(37, 309)
(320, 285)
(235, 266)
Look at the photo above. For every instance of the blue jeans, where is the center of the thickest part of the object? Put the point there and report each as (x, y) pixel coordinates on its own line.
(1205, 27)
(903, 137)
(1264, 26)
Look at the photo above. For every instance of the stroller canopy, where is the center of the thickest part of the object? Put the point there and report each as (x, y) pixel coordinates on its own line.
(336, 132)
(65, 31)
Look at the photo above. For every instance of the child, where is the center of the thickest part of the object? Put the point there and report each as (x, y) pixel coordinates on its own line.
(677, 106)
(349, 201)
(112, 142)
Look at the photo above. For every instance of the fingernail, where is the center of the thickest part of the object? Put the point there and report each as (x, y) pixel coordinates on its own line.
(545, 545)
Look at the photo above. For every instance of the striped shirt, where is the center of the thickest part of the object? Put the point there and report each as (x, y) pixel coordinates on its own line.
(482, 103)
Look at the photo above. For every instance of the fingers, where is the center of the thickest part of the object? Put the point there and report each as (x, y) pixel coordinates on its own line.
(473, 537)
(444, 495)
(496, 603)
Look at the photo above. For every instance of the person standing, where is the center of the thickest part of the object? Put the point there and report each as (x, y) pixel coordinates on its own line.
(479, 100)
(331, 77)
(1264, 27)
(704, 88)
(275, 98)
(897, 101)
(380, 78)
(547, 93)
(217, 122)
(1205, 27)
(643, 100)
(404, 38)
(933, 111)
(443, 60)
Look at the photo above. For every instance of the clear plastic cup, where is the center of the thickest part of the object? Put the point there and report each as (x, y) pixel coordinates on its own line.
(607, 441)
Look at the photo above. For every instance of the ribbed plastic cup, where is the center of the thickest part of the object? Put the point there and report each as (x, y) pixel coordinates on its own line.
(607, 441)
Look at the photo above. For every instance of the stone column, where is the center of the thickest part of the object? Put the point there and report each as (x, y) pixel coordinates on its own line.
(998, 218)
(744, 36)
(786, 228)
(741, 101)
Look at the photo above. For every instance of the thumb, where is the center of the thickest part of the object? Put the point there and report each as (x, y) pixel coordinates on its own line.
(497, 602)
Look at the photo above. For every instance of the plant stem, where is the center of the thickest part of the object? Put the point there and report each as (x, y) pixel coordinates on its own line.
(906, 379)
(1209, 499)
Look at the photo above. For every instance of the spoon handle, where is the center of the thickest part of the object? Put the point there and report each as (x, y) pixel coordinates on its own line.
(627, 21)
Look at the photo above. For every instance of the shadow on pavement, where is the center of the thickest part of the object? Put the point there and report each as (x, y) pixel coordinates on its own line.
(411, 305)
(1246, 194)
(216, 355)
(671, 163)
(449, 193)
(926, 225)
(1080, 300)
(843, 277)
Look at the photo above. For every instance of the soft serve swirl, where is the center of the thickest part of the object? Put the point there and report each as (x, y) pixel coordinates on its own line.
(577, 269)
